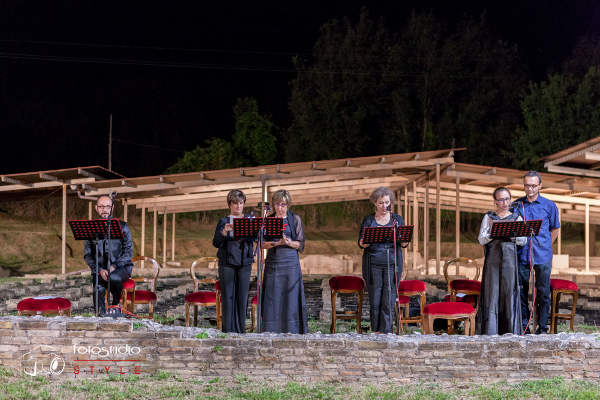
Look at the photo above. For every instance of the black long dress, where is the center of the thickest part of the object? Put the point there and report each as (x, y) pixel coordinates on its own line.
(283, 301)
(380, 277)
(499, 305)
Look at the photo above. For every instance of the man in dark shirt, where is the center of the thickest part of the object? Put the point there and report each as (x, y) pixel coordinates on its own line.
(118, 257)
(538, 250)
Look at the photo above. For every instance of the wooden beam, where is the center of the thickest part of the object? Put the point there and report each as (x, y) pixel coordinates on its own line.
(559, 239)
(88, 174)
(154, 235)
(592, 156)
(426, 227)
(89, 210)
(457, 216)
(587, 238)
(64, 230)
(143, 240)
(8, 179)
(173, 239)
(164, 255)
(574, 171)
(416, 226)
(438, 221)
(125, 210)
(48, 177)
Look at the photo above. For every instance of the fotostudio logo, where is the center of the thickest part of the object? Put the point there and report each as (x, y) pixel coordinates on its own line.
(42, 360)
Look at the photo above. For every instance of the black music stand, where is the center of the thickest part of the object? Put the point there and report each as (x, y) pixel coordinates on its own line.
(506, 229)
(96, 230)
(405, 233)
(385, 234)
(272, 228)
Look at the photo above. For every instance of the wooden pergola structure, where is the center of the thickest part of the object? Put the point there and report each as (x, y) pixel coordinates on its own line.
(422, 181)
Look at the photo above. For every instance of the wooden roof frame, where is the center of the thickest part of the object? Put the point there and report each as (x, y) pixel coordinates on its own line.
(582, 159)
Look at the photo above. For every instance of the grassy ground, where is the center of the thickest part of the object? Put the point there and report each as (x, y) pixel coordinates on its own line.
(165, 386)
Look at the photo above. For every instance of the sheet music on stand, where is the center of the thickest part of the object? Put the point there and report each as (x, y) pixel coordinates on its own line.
(505, 229)
(249, 227)
(96, 229)
(385, 234)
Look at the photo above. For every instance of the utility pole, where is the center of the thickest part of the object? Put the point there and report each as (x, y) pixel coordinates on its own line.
(110, 143)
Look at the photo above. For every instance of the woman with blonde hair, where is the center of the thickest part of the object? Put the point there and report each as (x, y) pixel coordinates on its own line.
(283, 301)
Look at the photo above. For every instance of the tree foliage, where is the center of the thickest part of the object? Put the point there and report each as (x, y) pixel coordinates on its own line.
(558, 113)
(253, 143)
(368, 91)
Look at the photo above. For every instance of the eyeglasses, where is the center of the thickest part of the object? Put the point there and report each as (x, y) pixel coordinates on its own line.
(531, 186)
(104, 207)
(282, 205)
(503, 200)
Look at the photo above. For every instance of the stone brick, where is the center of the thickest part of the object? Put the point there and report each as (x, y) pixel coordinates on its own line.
(32, 324)
(81, 326)
(6, 324)
(117, 326)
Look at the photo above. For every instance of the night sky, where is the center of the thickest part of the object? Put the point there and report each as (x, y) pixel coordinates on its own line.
(170, 74)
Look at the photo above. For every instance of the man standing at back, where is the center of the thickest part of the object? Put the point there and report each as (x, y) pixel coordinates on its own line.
(538, 250)
(117, 254)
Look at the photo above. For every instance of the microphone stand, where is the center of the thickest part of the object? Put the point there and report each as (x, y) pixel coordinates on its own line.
(259, 269)
(97, 272)
(107, 248)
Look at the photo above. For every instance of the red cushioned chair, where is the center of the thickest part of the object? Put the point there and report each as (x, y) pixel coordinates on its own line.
(450, 311)
(44, 306)
(558, 287)
(202, 298)
(409, 288)
(127, 292)
(143, 274)
(471, 288)
(347, 284)
(402, 310)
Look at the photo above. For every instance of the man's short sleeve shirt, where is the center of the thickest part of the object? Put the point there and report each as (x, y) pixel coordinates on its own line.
(547, 211)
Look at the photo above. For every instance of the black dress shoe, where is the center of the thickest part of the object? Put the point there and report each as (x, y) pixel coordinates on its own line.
(541, 331)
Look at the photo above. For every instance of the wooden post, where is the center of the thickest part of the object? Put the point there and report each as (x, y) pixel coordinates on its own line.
(587, 237)
(406, 201)
(154, 235)
(64, 230)
(164, 255)
(398, 207)
(416, 224)
(457, 217)
(559, 239)
(406, 221)
(125, 210)
(143, 239)
(426, 226)
(438, 221)
(173, 239)
(90, 207)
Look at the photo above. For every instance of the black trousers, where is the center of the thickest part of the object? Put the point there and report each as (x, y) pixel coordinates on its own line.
(117, 279)
(234, 282)
(382, 296)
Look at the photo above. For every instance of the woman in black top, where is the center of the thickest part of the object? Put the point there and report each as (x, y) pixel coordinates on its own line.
(235, 265)
(378, 262)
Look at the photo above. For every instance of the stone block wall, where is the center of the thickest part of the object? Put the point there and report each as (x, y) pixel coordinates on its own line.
(84, 347)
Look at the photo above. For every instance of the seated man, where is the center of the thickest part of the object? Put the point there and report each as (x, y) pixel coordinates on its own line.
(119, 257)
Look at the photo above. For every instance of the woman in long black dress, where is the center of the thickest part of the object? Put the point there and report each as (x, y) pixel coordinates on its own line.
(235, 265)
(499, 306)
(283, 301)
(378, 262)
